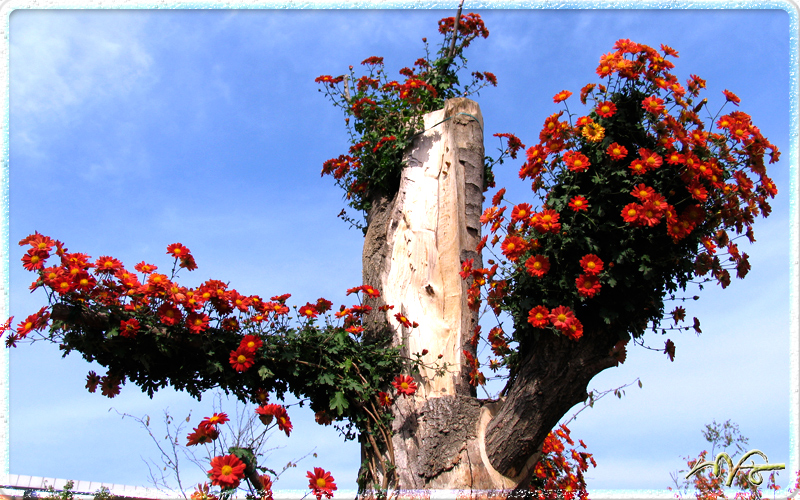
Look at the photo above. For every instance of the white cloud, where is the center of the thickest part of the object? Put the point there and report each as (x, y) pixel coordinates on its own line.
(63, 66)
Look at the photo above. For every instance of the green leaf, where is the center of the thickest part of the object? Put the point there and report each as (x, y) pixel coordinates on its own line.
(326, 378)
(265, 373)
(339, 403)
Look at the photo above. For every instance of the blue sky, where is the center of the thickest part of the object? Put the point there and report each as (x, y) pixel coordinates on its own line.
(134, 129)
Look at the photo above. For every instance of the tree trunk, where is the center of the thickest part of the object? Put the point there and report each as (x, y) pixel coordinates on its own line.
(444, 437)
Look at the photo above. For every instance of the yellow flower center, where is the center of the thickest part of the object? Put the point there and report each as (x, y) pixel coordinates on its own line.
(241, 359)
(577, 163)
(321, 482)
(108, 263)
(562, 317)
(404, 385)
(578, 203)
(510, 247)
(537, 265)
(631, 212)
(28, 325)
(590, 265)
(251, 345)
(226, 470)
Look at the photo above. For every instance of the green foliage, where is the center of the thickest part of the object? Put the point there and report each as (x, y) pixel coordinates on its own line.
(383, 116)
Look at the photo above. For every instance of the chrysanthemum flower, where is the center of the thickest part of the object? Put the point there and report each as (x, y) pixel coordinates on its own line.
(521, 212)
(405, 385)
(561, 316)
(308, 311)
(578, 203)
(251, 343)
(653, 105)
(321, 483)
(616, 151)
(591, 264)
(107, 264)
(606, 109)
(384, 399)
(575, 161)
(92, 379)
(588, 285)
(34, 259)
(731, 97)
(226, 471)
(201, 435)
(129, 328)
(169, 314)
(562, 96)
(267, 412)
(145, 268)
(177, 250)
(513, 247)
(242, 359)
(213, 420)
(593, 132)
(537, 265)
(197, 322)
(643, 192)
(539, 316)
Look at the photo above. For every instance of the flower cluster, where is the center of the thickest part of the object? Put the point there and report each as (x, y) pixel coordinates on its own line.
(634, 199)
(387, 113)
(559, 473)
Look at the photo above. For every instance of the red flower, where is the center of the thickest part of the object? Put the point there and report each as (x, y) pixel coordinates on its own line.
(309, 310)
(616, 151)
(588, 285)
(539, 317)
(251, 343)
(731, 97)
(107, 265)
(129, 328)
(372, 61)
(577, 162)
(546, 221)
(34, 259)
(521, 212)
(405, 385)
(537, 265)
(561, 316)
(242, 359)
(562, 96)
(197, 322)
(227, 471)
(653, 105)
(578, 203)
(321, 483)
(630, 213)
(403, 320)
(637, 167)
(591, 264)
(267, 412)
(513, 247)
(384, 399)
(169, 314)
(177, 250)
(145, 268)
(606, 109)
(643, 193)
(92, 379)
(216, 418)
(201, 435)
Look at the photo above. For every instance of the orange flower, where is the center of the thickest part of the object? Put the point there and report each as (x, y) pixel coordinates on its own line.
(578, 203)
(513, 247)
(321, 483)
(34, 259)
(539, 317)
(521, 212)
(561, 317)
(169, 314)
(197, 322)
(405, 385)
(107, 265)
(606, 109)
(251, 343)
(267, 412)
(616, 152)
(537, 265)
(593, 132)
(177, 250)
(145, 268)
(653, 105)
(227, 471)
(577, 162)
(562, 96)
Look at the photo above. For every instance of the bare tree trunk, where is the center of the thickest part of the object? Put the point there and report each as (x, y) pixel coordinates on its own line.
(444, 437)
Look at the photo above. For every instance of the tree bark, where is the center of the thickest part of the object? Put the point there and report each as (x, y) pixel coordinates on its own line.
(444, 437)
